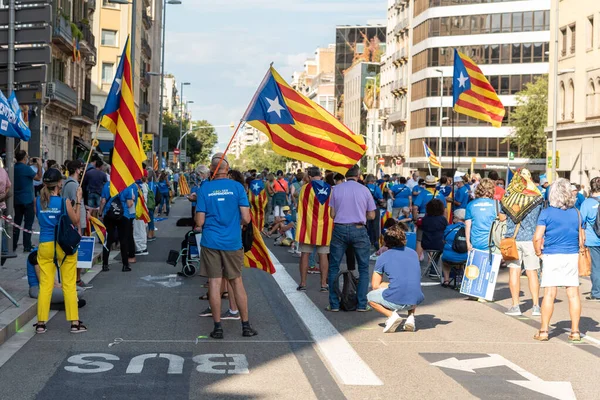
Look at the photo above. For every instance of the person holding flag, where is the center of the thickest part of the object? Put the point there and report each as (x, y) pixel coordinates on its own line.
(314, 225)
(257, 195)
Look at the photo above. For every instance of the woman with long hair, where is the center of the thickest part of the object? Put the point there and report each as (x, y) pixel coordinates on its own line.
(49, 207)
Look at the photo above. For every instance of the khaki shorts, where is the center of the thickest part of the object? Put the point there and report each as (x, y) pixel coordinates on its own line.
(527, 257)
(221, 263)
(308, 248)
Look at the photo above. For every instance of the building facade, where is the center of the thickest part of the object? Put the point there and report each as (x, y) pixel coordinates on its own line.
(509, 40)
(247, 136)
(578, 106)
(316, 80)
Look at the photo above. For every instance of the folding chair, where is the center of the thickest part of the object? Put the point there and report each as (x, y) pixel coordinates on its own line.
(456, 273)
(434, 258)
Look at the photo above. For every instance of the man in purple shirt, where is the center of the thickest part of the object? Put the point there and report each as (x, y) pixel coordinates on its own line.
(351, 205)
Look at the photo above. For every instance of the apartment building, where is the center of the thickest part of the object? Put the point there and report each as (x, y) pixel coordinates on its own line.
(68, 113)
(508, 39)
(247, 136)
(316, 80)
(112, 27)
(578, 107)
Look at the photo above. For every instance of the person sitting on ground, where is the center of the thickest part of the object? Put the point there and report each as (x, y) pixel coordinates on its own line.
(403, 292)
(33, 278)
(449, 256)
(285, 227)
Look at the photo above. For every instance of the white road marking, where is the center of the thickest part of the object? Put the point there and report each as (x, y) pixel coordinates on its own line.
(349, 368)
(557, 390)
(586, 337)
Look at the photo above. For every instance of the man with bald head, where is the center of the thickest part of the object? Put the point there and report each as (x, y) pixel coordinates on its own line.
(222, 207)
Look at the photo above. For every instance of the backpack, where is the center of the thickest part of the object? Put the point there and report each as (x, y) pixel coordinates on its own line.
(151, 202)
(248, 237)
(66, 234)
(459, 244)
(348, 291)
(596, 226)
(497, 231)
(115, 209)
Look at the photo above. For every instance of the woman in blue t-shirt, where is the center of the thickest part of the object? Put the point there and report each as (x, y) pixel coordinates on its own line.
(49, 207)
(450, 256)
(556, 242)
(164, 188)
(480, 215)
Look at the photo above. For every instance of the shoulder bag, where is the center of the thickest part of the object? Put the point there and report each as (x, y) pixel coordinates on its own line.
(508, 246)
(585, 258)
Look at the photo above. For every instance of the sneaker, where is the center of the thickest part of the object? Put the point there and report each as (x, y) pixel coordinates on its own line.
(324, 289)
(217, 333)
(392, 323)
(374, 257)
(152, 239)
(229, 315)
(514, 311)
(314, 270)
(142, 253)
(206, 313)
(535, 311)
(301, 288)
(592, 298)
(366, 309)
(81, 303)
(410, 324)
(84, 285)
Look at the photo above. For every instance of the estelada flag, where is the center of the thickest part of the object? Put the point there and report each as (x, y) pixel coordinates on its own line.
(95, 225)
(184, 188)
(301, 129)
(385, 215)
(314, 223)
(141, 210)
(257, 195)
(258, 256)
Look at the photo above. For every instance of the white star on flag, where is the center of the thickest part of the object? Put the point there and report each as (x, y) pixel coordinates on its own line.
(462, 80)
(255, 187)
(275, 106)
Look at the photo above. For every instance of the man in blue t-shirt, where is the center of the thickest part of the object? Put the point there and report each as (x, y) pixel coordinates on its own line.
(425, 196)
(222, 207)
(23, 190)
(461, 195)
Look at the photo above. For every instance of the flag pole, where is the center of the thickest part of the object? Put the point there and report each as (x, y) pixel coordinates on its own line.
(429, 165)
(92, 147)
(227, 148)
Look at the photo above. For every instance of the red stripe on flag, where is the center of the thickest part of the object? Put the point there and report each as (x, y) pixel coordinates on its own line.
(315, 217)
(470, 65)
(486, 100)
(326, 221)
(304, 221)
(483, 85)
(479, 109)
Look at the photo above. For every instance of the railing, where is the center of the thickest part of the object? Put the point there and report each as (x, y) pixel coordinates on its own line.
(62, 30)
(61, 92)
(398, 85)
(397, 116)
(144, 109)
(146, 19)
(89, 39)
(88, 110)
(146, 48)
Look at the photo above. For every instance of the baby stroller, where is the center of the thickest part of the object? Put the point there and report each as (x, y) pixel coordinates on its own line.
(189, 255)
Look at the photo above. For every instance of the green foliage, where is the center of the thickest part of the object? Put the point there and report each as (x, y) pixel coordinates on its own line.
(259, 156)
(530, 118)
(199, 143)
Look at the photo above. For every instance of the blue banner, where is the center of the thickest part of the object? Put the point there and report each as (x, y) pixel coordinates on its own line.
(85, 254)
(481, 274)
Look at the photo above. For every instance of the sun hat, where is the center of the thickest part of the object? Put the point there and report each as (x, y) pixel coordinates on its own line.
(430, 180)
(285, 208)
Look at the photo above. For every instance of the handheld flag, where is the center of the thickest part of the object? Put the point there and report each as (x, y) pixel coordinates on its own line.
(472, 93)
(11, 119)
(315, 225)
(385, 215)
(141, 210)
(301, 129)
(433, 160)
(258, 256)
(120, 118)
(155, 162)
(184, 188)
(95, 225)
(257, 196)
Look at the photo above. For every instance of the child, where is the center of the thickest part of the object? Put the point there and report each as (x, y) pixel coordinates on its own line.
(403, 292)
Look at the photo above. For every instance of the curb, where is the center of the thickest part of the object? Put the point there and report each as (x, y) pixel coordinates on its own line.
(13, 319)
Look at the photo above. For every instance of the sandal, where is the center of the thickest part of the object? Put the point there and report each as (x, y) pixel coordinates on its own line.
(78, 328)
(575, 336)
(217, 333)
(225, 295)
(446, 284)
(541, 336)
(40, 328)
(204, 296)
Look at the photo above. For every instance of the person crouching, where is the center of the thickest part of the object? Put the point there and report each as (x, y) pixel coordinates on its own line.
(403, 292)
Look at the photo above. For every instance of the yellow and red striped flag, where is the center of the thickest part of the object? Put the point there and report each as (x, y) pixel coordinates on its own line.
(433, 160)
(154, 162)
(141, 210)
(258, 256)
(257, 196)
(300, 128)
(184, 188)
(385, 216)
(120, 118)
(472, 93)
(95, 225)
(314, 223)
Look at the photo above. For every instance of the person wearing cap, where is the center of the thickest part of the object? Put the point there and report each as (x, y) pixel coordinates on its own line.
(222, 208)
(281, 190)
(420, 205)
(351, 204)
(285, 226)
(461, 194)
(69, 192)
(49, 207)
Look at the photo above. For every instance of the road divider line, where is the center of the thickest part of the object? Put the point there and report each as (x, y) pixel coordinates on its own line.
(342, 359)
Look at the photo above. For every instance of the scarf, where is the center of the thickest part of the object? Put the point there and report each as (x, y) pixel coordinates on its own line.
(521, 196)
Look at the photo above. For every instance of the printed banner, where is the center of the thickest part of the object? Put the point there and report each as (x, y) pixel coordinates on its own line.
(85, 254)
(481, 274)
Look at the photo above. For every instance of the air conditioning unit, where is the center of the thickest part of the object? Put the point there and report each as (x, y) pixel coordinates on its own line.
(50, 90)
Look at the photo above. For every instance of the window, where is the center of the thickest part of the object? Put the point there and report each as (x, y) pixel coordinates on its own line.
(527, 21)
(590, 32)
(571, 114)
(109, 38)
(591, 100)
(108, 72)
(496, 23)
(526, 52)
(506, 18)
(106, 3)
(538, 21)
(563, 41)
(538, 52)
(573, 38)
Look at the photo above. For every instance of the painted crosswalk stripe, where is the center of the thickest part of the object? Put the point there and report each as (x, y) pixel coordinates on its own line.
(342, 359)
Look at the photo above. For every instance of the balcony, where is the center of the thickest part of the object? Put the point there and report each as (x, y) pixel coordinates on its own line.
(61, 94)
(144, 110)
(148, 3)
(62, 36)
(399, 87)
(146, 20)
(146, 49)
(88, 46)
(401, 27)
(399, 4)
(91, 5)
(385, 113)
(399, 57)
(397, 117)
(87, 114)
(144, 78)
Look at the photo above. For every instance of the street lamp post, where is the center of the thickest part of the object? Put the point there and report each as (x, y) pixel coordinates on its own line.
(555, 107)
(133, 4)
(181, 113)
(187, 109)
(439, 149)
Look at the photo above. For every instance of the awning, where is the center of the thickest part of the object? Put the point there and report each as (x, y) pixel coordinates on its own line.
(105, 146)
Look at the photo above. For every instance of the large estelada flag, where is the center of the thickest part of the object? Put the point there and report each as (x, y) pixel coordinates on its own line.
(258, 256)
(314, 223)
(120, 118)
(433, 160)
(472, 93)
(257, 196)
(301, 129)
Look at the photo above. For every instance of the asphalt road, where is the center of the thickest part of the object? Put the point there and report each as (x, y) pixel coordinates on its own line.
(146, 341)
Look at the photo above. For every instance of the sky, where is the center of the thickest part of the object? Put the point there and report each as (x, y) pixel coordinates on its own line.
(224, 47)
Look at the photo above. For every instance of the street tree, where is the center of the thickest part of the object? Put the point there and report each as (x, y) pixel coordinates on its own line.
(530, 118)
(259, 156)
(199, 143)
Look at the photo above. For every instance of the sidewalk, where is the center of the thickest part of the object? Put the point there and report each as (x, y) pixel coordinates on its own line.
(13, 279)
